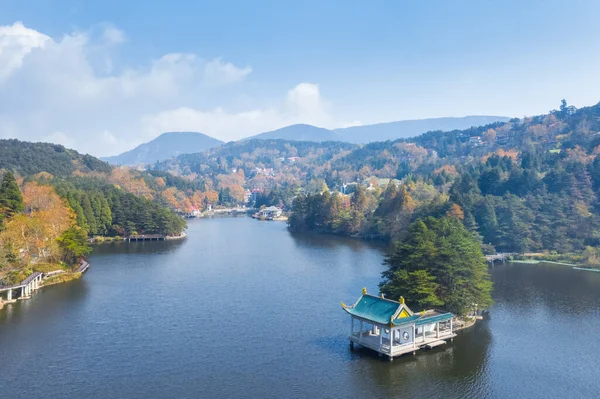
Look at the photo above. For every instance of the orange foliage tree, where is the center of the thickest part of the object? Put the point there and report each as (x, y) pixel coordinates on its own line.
(33, 234)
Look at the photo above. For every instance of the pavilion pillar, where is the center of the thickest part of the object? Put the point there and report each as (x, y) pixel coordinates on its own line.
(437, 329)
(423, 333)
(380, 338)
(392, 333)
(450, 326)
(9, 295)
(360, 333)
(414, 338)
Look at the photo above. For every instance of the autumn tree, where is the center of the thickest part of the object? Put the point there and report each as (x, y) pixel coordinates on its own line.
(456, 211)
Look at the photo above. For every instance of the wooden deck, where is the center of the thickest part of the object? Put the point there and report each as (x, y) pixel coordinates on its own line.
(371, 341)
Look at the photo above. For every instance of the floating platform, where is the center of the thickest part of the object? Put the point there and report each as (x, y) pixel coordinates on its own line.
(433, 344)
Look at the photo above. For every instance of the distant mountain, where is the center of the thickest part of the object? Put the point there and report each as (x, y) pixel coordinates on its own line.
(165, 146)
(412, 128)
(300, 132)
(378, 132)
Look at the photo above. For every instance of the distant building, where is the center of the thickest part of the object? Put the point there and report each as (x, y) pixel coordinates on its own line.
(193, 213)
(475, 140)
(270, 212)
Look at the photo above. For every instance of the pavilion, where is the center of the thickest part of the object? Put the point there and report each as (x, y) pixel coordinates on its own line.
(392, 329)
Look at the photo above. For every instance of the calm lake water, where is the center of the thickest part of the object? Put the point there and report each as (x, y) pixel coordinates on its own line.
(244, 309)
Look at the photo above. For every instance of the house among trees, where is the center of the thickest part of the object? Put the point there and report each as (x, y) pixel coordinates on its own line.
(269, 213)
(392, 329)
(475, 140)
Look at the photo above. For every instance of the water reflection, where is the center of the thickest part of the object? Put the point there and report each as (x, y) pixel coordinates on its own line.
(452, 369)
(140, 247)
(309, 240)
(246, 309)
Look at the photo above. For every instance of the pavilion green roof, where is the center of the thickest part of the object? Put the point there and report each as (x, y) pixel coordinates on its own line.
(381, 310)
(374, 308)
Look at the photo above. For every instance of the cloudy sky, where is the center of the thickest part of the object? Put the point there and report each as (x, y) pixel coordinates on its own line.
(105, 76)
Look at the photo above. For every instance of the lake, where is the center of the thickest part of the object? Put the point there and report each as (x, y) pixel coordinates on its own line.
(244, 309)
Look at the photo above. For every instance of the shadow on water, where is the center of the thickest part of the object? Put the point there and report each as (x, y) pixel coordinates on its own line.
(140, 247)
(551, 286)
(314, 240)
(46, 302)
(449, 371)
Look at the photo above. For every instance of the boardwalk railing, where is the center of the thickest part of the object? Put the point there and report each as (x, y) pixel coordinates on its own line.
(146, 237)
(32, 283)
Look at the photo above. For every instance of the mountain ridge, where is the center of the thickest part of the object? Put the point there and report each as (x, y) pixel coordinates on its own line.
(165, 146)
(379, 131)
(172, 144)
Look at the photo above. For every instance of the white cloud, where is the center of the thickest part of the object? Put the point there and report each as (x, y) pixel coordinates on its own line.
(112, 35)
(69, 90)
(303, 104)
(219, 72)
(16, 42)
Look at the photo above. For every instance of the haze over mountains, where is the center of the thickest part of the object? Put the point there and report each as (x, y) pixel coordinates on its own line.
(169, 145)
(165, 146)
(380, 131)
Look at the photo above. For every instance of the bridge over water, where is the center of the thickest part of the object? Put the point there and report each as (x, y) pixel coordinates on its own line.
(32, 283)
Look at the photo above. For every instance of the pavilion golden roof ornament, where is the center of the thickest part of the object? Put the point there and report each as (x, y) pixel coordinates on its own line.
(364, 291)
(402, 300)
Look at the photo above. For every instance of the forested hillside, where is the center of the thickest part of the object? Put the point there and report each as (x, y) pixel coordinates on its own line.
(107, 201)
(527, 185)
(30, 158)
(53, 199)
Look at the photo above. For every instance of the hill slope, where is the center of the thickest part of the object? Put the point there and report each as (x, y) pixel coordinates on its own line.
(300, 132)
(165, 146)
(30, 158)
(411, 128)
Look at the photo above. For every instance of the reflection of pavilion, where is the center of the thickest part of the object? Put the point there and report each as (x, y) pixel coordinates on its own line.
(392, 329)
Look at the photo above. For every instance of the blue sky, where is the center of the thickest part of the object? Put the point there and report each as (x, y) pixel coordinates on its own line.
(237, 68)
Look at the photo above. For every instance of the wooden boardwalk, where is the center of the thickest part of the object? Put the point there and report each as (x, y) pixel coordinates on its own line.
(83, 267)
(32, 283)
(146, 237)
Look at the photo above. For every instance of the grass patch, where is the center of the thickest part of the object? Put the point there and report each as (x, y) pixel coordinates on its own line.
(62, 278)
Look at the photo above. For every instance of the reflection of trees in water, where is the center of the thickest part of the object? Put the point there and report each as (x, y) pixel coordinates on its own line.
(551, 286)
(455, 371)
(331, 241)
(45, 302)
(140, 247)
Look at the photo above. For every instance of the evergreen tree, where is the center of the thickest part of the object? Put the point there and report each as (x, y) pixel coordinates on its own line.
(439, 262)
(74, 245)
(11, 200)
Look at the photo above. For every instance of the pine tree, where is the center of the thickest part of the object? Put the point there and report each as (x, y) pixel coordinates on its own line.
(439, 262)
(11, 199)
(89, 214)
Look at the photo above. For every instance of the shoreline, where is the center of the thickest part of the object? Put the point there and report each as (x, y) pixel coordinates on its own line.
(109, 240)
(38, 280)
